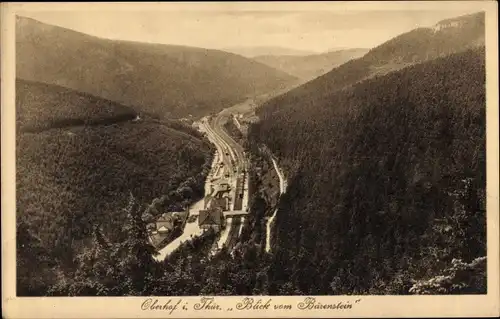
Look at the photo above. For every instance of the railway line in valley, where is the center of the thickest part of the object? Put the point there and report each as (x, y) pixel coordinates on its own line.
(229, 167)
(233, 157)
(237, 168)
(234, 171)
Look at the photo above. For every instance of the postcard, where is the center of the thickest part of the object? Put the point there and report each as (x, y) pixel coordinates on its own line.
(250, 159)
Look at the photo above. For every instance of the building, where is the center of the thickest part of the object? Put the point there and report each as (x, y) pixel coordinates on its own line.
(165, 225)
(165, 222)
(164, 230)
(223, 187)
(211, 218)
(220, 202)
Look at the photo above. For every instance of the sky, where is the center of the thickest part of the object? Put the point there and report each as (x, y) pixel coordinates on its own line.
(309, 30)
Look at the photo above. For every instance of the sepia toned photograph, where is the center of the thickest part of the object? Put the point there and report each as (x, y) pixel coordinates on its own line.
(219, 151)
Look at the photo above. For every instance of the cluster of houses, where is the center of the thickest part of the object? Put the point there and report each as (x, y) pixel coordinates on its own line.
(212, 217)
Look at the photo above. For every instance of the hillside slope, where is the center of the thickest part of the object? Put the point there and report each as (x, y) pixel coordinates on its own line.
(387, 180)
(42, 106)
(74, 177)
(252, 52)
(413, 47)
(310, 66)
(166, 80)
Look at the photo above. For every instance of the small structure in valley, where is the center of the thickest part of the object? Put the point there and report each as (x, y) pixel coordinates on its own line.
(165, 225)
(220, 202)
(211, 218)
(219, 196)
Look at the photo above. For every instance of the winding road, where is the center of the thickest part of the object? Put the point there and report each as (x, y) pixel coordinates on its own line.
(271, 219)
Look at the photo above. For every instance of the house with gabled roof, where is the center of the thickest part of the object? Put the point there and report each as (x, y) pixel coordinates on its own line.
(165, 222)
(211, 218)
(164, 229)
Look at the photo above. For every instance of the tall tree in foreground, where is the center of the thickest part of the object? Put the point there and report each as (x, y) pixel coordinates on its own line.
(136, 252)
(113, 269)
(96, 274)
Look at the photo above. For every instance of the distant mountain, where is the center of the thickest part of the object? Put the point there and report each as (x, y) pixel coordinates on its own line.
(332, 49)
(251, 52)
(310, 66)
(416, 46)
(78, 159)
(165, 80)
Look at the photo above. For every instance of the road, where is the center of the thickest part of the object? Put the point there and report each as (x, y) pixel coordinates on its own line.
(271, 219)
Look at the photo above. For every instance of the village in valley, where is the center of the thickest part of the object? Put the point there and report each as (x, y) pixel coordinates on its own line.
(225, 203)
(170, 224)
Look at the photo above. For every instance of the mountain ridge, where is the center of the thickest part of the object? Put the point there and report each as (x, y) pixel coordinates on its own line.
(310, 66)
(253, 51)
(416, 46)
(166, 80)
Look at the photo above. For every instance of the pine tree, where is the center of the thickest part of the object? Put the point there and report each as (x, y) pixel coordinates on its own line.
(96, 274)
(136, 252)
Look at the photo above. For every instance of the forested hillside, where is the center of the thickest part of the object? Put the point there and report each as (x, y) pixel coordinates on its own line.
(310, 66)
(166, 80)
(416, 46)
(78, 160)
(42, 106)
(387, 180)
(386, 195)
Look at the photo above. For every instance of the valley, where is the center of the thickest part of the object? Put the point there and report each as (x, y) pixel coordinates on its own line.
(229, 167)
(171, 170)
